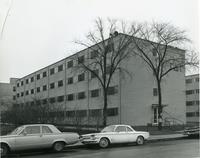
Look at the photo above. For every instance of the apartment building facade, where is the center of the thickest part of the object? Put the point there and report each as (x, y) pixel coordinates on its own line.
(192, 99)
(131, 101)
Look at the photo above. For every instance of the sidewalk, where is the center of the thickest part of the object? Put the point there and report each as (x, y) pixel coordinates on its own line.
(152, 138)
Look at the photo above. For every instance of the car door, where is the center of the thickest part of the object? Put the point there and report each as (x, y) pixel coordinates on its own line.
(47, 136)
(120, 135)
(131, 134)
(29, 138)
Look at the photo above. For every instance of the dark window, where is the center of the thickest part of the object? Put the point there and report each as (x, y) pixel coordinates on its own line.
(190, 114)
(95, 112)
(190, 103)
(52, 85)
(32, 91)
(197, 113)
(93, 54)
(27, 92)
(17, 84)
(81, 95)
(52, 71)
(17, 95)
(197, 102)
(95, 72)
(70, 97)
(27, 81)
(44, 87)
(120, 129)
(60, 83)
(189, 92)
(70, 80)
(188, 81)
(155, 92)
(38, 89)
(81, 77)
(46, 129)
(197, 79)
(197, 91)
(60, 68)
(22, 83)
(70, 64)
(60, 98)
(70, 113)
(44, 101)
(38, 76)
(14, 89)
(33, 130)
(52, 100)
(112, 112)
(22, 94)
(95, 93)
(32, 79)
(44, 74)
(81, 59)
(112, 90)
(81, 113)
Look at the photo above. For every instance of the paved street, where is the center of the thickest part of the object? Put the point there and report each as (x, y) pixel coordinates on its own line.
(185, 148)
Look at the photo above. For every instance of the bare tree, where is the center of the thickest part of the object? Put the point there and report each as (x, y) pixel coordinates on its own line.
(156, 44)
(106, 49)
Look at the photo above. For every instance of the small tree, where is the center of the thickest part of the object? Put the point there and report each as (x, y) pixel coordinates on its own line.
(107, 50)
(155, 44)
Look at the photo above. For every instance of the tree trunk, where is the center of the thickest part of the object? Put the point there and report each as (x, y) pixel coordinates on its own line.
(159, 105)
(105, 108)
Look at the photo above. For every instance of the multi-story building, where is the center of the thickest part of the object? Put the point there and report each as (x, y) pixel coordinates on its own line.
(192, 99)
(130, 100)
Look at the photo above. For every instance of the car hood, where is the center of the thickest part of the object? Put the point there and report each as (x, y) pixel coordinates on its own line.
(8, 136)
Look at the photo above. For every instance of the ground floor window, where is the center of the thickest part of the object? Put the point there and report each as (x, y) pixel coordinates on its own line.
(155, 115)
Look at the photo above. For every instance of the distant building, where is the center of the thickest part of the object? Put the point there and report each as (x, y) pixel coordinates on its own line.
(130, 101)
(192, 99)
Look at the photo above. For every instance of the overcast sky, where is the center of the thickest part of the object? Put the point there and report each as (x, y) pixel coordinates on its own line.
(40, 32)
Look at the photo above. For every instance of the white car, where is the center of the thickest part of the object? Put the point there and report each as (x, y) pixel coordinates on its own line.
(36, 136)
(115, 134)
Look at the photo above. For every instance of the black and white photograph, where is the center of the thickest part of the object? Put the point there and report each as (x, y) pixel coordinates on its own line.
(99, 78)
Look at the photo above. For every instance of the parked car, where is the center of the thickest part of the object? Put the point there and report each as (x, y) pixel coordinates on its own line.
(115, 134)
(36, 136)
(192, 131)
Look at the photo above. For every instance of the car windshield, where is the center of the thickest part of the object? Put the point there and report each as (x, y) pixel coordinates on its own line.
(108, 129)
(17, 130)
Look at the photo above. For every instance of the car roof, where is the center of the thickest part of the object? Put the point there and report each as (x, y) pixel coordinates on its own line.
(38, 125)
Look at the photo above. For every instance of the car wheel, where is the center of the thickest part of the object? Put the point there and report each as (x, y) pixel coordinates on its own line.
(140, 140)
(58, 146)
(104, 142)
(4, 150)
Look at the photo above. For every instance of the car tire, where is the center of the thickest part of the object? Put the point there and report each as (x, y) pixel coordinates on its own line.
(140, 140)
(104, 142)
(4, 150)
(58, 146)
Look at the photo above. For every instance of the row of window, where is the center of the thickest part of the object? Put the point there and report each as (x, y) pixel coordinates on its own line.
(189, 92)
(191, 103)
(192, 114)
(191, 80)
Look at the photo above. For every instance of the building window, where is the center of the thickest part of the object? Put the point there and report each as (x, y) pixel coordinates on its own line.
(112, 112)
(27, 81)
(108, 69)
(188, 81)
(70, 113)
(38, 76)
(44, 101)
(27, 92)
(95, 72)
(197, 91)
(44, 88)
(190, 114)
(197, 102)
(189, 92)
(32, 79)
(81, 59)
(109, 47)
(190, 103)
(70, 97)
(197, 79)
(155, 92)
(22, 94)
(44, 74)
(93, 54)
(60, 68)
(52, 100)
(95, 112)
(154, 52)
(32, 91)
(81, 77)
(60, 98)
(14, 89)
(60, 83)
(197, 113)
(70, 80)
(17, 84)
(112, 90)
(70, 64)
(38, 89)
(22, 83)
(94, 93)
(17, 95)
(81, 95)
(52, 71)
(81, 113)
(52, 85)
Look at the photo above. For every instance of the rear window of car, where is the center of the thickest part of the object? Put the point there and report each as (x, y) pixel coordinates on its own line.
(120, 129)
(33, 130)
(46, 129)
